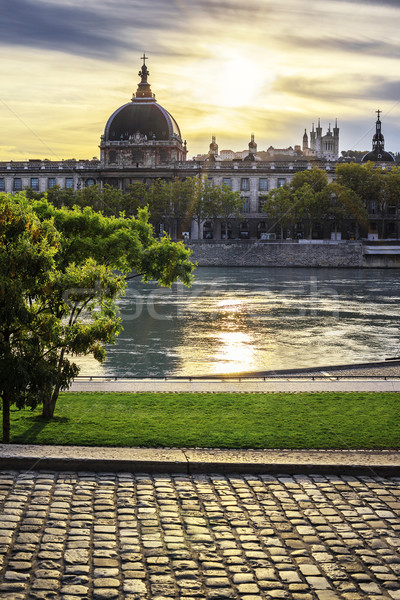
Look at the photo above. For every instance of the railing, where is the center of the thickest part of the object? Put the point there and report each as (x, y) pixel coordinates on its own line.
(222, 378)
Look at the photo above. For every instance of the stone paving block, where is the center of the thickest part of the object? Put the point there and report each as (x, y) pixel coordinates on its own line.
(261, 526)
(135, 586)
(105, 593)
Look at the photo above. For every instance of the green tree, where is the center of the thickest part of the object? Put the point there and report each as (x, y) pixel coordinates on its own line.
(344, 204)
(202, 199)
(27, 256)
(280, 207)
(365, 180)
(309, 195)
(93, 257)
(225, 205)
(368, 182)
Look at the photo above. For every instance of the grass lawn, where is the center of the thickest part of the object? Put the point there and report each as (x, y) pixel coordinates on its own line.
(345, 420)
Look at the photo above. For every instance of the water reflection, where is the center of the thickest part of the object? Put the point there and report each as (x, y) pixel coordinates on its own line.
(234, 353)
(241, 319)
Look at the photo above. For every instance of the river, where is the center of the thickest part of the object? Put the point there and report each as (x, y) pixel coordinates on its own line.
(255, 319)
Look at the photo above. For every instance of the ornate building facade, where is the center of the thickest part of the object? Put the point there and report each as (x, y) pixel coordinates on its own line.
(142, 142)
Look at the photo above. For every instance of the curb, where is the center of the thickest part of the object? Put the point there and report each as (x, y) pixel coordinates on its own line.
(197, 461)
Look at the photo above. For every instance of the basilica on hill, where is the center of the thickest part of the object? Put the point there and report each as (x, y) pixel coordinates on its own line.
(142, 142)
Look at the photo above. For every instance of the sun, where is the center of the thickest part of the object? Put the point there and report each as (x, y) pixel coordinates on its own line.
(228, 80)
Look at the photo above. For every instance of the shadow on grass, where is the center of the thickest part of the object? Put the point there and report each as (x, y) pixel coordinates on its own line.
(38, 423)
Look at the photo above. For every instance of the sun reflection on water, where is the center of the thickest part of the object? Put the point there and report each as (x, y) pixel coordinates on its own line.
(234, 353)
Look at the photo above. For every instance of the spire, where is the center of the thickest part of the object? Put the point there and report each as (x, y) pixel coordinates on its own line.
(213, 152)
(144, 89)
(305, 140)
(378, 141)
(378, 153)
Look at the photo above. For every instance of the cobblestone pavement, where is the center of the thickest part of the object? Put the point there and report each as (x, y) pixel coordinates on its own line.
(75, 536)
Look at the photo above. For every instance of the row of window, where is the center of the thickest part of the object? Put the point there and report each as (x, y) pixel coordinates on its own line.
(245, 183)
(34, 183)
(263, 185)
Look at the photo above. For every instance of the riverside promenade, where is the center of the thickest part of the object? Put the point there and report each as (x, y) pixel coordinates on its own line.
(363, 377)
(202, 524)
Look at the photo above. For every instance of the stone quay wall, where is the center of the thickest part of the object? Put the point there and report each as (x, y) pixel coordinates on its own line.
(244, 253)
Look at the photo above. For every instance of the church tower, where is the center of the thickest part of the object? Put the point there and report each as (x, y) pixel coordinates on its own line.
(305, 141)
(252, 155)
(313, 144)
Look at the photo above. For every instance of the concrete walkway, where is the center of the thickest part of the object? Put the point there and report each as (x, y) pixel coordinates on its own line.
(199, 460)
(381, 376)
(329, 384)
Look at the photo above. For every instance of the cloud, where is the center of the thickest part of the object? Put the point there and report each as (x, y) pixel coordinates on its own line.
(345, 88)
(322, 89)
(95, 30)
(366, 46)
(377, 3)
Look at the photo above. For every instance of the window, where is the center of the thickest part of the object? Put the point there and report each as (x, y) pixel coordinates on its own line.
(138, 156)
(372, 207)
(2, 184)
(35, 183)
(69, 183)
(227, 181)
(17, 184)
(263, 184)
(246, 205)
(281, 182)
(163, 156)
(51, 182)
(90, 182)
(261, 202)
(245, 184)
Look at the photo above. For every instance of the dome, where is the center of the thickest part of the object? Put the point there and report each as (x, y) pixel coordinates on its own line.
(378, 155)
(142, 118)
(378, 152)
(148, 119)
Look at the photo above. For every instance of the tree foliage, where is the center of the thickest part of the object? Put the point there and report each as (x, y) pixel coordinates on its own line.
(64, 271)
(310, 198)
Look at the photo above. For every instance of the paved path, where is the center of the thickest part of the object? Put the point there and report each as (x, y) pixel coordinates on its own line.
(363, 377)
(244, 386)
(199, 460)
(75, 536)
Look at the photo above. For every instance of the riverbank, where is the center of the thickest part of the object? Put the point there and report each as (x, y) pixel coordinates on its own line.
(296, 253)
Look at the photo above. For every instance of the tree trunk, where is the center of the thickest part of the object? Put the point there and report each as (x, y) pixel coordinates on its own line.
(49, 404)
(6, 418)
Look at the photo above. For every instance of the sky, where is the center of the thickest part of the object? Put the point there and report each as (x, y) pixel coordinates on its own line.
(221, 67)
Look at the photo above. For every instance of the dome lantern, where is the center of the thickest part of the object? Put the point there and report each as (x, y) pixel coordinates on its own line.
(378, 153)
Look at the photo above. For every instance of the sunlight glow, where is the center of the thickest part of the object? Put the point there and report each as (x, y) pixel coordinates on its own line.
(235, 353)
